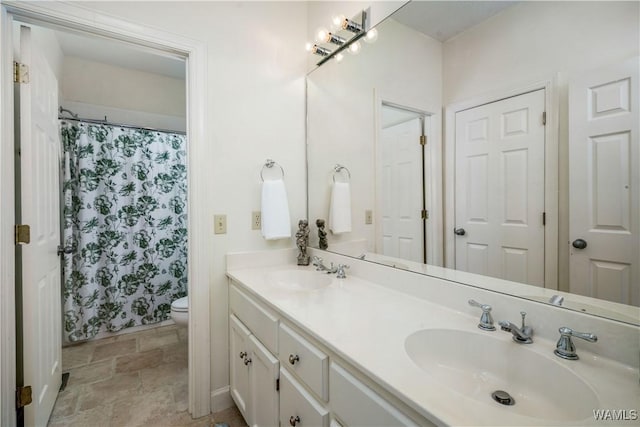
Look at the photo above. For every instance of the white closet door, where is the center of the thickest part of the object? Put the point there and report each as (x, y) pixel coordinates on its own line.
(401, 186)
(40, 200)
(499, 200)
(605, 183)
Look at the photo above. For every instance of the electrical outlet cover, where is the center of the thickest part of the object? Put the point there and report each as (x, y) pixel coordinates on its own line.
(256, 220)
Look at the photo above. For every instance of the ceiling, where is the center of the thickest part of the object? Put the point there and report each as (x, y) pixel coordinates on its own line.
(120, 54)
(443, 20)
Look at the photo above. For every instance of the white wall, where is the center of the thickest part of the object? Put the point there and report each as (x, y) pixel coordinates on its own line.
(255, 106)
(533, 41)
(342, 115)
(91, 82)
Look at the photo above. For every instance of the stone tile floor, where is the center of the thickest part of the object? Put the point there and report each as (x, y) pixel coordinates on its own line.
(137, 379)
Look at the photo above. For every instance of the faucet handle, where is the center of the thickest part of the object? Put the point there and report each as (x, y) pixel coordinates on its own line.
(486, 321)
(565, 347)
(340, 274)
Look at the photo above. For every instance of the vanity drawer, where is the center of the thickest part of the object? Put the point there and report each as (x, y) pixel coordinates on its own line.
(297, 406)
(309, 363)
(357, 405)
(262, 322)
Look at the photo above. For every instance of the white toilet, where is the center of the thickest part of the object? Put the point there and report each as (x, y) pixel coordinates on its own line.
(180, 311)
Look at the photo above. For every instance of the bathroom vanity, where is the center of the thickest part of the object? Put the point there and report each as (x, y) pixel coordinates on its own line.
(389, 347)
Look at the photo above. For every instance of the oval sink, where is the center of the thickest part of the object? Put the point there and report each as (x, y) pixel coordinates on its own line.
(298, 280)
(476, 365)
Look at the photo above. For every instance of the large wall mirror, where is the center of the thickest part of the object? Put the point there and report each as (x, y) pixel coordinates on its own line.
(488, 143)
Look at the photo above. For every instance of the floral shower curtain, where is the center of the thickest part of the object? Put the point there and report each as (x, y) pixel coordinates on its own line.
(125, 216)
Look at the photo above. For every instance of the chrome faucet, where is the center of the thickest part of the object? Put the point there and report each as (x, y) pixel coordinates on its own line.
(340, 274)
(565, 347)
(486, 321)
(339, 270)
(317, 262)
(556, 300)
(521, 335)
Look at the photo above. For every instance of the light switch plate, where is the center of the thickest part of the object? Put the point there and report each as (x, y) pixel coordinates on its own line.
(368, 216)
(220, 224)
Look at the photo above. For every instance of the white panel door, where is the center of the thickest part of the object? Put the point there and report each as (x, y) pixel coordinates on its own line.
(263, 373)
(499, 182)
(239, 349)
(604, 181)
(40, 205)
(401, 170)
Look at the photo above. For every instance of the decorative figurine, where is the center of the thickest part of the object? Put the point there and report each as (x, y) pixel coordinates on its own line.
(322, 234)
(302, 241)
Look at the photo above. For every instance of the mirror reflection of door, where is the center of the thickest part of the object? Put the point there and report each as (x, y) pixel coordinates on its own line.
(401, 192)
(604, 162)
(499, 181)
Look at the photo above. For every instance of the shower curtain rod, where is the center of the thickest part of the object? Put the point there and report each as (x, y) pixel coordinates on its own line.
(122, 125)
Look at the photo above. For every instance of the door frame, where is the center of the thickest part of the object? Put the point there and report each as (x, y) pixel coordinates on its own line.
(551, 177)
(76, 18)
(433, 171)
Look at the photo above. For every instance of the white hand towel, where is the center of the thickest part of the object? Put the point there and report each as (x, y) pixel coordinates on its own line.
(276, 223)
(340, 208)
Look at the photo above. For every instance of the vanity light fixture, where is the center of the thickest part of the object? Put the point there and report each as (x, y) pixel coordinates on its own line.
(345, 34)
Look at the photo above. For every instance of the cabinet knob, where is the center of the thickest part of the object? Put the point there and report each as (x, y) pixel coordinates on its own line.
(294, 420)
(243, 354)
(293, 359)
(247, 361)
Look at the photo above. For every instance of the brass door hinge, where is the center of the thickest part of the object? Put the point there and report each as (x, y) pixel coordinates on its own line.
(544, 118)
(425, 214)
(23, 396)
(20, 73)
(423, 140)
(23, 234)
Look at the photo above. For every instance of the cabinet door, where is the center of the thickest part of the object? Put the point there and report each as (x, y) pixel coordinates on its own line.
(357, 405)
(263, 374)
(297, 407)
(239, 349)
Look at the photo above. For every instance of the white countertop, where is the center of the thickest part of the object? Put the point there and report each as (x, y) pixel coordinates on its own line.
(367, 325)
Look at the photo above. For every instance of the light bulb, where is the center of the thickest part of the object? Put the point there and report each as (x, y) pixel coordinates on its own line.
(339, 57)
(321, 35)
(355, 47)
(371, 36)
(308, 46)
(337, 21)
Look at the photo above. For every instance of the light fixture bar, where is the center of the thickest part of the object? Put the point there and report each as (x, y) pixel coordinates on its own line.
(358, 35)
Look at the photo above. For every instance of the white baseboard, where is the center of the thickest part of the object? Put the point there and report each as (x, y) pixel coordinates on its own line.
(221, 399)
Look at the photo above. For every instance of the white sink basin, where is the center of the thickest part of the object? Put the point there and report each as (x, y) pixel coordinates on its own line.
(477, 364)
(298, 280)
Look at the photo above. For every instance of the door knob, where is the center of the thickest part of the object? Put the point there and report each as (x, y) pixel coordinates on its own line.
(579, 244)
(459, 231)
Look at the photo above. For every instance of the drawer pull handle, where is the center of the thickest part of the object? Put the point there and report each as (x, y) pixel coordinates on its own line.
(294, 420)
(247, 361)
(243, 354)
(293, 359)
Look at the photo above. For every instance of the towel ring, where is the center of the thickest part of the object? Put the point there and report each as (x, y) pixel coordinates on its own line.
(339, 168)
(269, 164)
